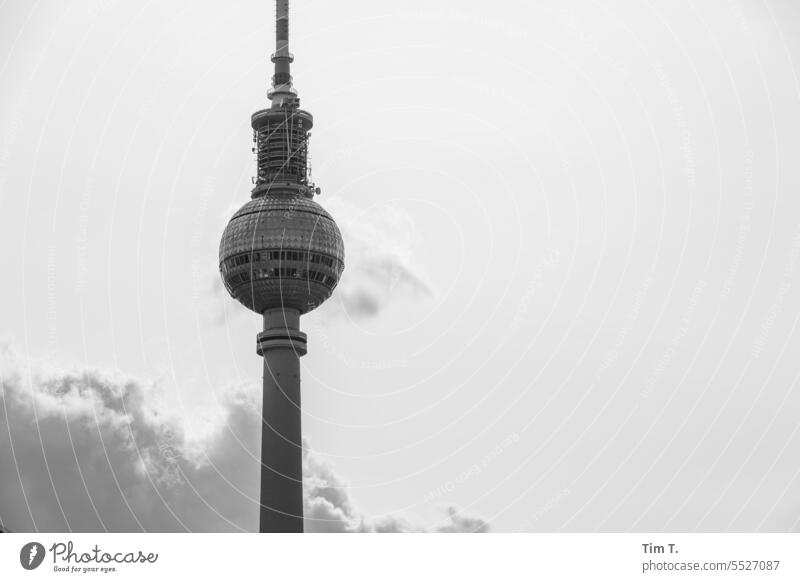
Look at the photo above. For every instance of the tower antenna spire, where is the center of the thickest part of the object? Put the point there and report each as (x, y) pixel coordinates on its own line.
(282, 90)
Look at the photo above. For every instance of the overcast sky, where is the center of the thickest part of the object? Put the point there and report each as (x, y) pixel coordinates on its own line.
(570, 299)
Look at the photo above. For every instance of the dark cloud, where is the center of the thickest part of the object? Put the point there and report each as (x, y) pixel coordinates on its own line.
(330, 509)
(91, 451)
(88, 450)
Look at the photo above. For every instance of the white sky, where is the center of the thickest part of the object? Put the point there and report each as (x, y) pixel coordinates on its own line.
(602, 198)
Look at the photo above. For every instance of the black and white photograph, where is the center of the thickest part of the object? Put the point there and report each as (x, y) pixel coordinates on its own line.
(527, 268)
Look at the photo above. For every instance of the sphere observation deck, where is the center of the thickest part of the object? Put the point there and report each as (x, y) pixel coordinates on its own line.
(281, 252)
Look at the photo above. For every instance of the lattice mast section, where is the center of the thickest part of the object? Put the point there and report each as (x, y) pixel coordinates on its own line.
(281, 132)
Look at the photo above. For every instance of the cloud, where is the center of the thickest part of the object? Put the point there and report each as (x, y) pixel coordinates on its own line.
(381, 265)
(89, 450)
(330, 509)
(92, 450)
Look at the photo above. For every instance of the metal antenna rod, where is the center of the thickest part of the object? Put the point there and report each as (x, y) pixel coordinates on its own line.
(282, 28)
(282, 80)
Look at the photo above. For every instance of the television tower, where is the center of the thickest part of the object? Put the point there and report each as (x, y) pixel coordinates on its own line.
(281, 255)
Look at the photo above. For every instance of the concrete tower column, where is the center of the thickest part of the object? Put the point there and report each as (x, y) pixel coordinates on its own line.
(281, 344)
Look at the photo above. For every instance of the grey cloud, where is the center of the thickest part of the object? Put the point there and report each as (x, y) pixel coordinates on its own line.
(330, 509)
(379, 256)
(89, 450)
(370, 286)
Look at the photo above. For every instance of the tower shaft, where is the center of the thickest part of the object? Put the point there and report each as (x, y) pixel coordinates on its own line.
(281, 344)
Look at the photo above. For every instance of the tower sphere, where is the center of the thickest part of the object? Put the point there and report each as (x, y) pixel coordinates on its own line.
(281, 252)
